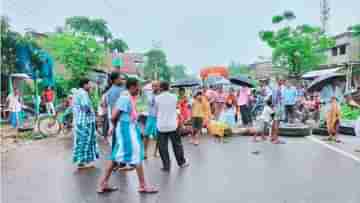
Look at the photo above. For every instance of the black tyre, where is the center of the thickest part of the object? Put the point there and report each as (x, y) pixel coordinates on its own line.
(294, 130)
(320, 131)
(346, 128)
(49, 126)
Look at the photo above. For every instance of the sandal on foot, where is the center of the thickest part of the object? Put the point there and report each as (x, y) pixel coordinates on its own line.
(338, 141)
(184, 165)
(147, 190)
(278, 142)
(126, 168)
(107, 190)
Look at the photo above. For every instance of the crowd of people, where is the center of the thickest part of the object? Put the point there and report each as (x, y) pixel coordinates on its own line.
(167, 115)
(170, 114)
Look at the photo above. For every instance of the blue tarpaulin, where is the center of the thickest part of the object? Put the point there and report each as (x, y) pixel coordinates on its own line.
(23, 63)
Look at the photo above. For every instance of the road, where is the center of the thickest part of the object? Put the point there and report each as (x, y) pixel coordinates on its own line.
(301, 171)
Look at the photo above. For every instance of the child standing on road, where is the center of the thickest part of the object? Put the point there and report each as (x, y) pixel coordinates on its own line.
(264, 122)
(48, 96)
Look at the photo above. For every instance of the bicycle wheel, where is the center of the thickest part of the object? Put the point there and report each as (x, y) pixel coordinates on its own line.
(49, 126)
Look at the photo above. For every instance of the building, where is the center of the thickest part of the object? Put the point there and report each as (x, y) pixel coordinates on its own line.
(266, 69)
(346, 49)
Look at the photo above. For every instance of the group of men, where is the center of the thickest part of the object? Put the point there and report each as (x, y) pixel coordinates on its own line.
(128, 146)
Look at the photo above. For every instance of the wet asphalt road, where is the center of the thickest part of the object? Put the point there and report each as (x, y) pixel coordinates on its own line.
(300, 171)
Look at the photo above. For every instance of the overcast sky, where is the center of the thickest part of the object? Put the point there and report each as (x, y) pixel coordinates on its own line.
(195, 33)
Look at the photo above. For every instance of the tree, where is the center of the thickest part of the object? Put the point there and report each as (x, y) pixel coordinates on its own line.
(8, 46)
(9, 41)
(297, 49)
(119, 45)
(179, 72)
(355, 29)
(156, 67)
(78, 52)
(236, 69)
(95, 27)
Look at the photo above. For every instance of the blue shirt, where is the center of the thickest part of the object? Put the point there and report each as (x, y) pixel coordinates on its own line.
(277, 95)
(290, 95)
(123, 104)
(326, 93)
(113, 94)
(151, 104)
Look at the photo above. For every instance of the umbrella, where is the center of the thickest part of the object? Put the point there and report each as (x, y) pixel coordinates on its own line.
(242, 81)
(20, 76)
(320, 82)
(218, 81)
(186, 83)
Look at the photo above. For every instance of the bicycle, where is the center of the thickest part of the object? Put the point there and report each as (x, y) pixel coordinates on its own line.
(51, 125)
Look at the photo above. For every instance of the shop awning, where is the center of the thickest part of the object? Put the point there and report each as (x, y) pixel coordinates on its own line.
(318, 73)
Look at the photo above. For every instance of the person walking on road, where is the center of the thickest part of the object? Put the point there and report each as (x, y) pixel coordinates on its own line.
(167, 127)
(150, 131)
(183, 105)
(243, 104)
(129, 148)
(85, 149)
(277, 99)
(290, 95)
(333, 120)
(198, 116)
(111, 96)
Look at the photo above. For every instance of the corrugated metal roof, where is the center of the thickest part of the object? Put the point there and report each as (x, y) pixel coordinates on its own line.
(318, 73)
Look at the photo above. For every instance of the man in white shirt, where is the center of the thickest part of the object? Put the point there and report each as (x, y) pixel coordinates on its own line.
(14, 104)
(165, 104)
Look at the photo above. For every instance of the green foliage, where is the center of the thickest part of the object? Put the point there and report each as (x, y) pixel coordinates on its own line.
(8, 43)
(62, 86)
(9, 40)
(119, 45)
(236, 69)
(156, 67)
(277, 19)
(349, 113)
(95, 27)
(95, 98)
(298, 49)
(78, 52)
(179, 72)
(355, 29)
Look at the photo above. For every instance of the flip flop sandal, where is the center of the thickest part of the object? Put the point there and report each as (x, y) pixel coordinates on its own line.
(278, 142)
(147, 190)
(107, 190)
(338, 141)
(85, 167)
(126, 168)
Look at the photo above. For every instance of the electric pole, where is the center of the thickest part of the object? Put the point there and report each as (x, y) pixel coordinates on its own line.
(156, 45)
(325, 15)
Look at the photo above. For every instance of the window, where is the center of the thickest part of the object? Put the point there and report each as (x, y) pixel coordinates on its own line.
(334, 51)
(342, 49)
